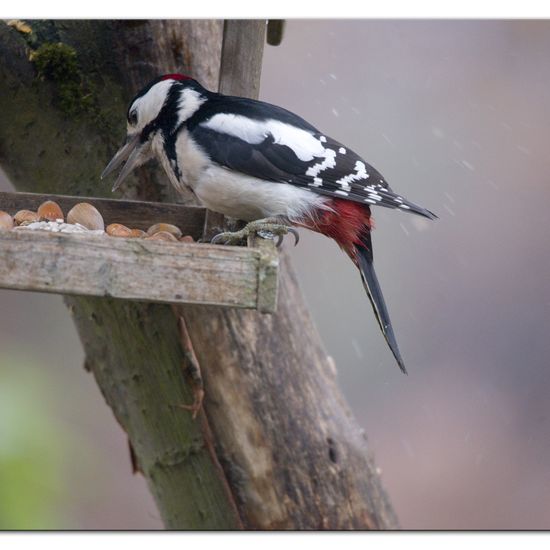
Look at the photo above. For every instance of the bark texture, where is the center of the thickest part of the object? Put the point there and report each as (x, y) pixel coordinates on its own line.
(276, 445)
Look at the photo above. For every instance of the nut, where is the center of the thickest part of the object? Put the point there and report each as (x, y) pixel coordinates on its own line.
(23, 217)
(166, 227)
(186, 239)
(118, 230)
(137, 233)
(6, 221)
(86, 215)
(50, 211)
(161, 236)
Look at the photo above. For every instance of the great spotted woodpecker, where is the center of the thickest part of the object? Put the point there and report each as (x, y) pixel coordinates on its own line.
(262, 164)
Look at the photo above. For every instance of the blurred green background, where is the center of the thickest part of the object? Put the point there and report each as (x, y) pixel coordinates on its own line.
(456, 115)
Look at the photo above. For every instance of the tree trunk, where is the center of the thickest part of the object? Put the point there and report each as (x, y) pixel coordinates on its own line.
(275, 445)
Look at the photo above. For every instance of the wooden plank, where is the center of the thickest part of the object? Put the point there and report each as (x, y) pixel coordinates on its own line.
(135, 214)
(268, 280)
(136, 269)
(241, 63)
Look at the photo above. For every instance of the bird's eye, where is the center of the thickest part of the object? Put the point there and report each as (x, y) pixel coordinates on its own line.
(132, 118)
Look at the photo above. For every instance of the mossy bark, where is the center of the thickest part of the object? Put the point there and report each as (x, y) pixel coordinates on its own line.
(276, 446)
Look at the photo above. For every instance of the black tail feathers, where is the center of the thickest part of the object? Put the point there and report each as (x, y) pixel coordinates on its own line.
(374, 292)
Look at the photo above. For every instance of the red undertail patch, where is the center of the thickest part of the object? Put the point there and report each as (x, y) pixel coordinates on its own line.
(347, 222)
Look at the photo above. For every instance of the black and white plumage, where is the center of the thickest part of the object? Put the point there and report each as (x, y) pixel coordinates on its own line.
(251, 160)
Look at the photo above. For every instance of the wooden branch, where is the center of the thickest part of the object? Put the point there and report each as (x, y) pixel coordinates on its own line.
(136, 357)
(289, 444)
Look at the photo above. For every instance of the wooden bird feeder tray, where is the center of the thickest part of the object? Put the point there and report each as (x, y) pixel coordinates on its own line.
(136, 269)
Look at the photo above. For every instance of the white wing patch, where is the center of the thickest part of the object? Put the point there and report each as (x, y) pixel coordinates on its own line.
(304, 144)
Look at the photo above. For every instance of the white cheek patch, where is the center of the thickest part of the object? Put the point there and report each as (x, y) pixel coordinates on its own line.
(304, 144)
(149, 105)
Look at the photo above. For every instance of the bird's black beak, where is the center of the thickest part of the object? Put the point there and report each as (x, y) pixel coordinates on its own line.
(129, 152)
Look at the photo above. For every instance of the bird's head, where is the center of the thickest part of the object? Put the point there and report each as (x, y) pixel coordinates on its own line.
(161, 106)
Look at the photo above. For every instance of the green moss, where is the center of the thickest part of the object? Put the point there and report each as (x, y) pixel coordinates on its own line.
(58, 63)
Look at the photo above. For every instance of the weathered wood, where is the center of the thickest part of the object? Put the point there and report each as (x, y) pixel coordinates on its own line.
(134, 214)
(268, 280)
(139, 269)
(241, 59)
(132, 352)
(288, 443)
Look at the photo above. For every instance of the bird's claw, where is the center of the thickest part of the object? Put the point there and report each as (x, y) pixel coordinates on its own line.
(293, 232)
(265, 229)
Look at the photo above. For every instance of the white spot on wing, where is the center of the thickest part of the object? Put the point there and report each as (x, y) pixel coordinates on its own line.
(360, 174)
(317, 182)
(328, 162)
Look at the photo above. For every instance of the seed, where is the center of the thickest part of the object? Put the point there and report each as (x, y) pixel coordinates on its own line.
(50, 211)
(6, 221)
(118, 230)
(167, 227)
(26, 217)
(86, 215)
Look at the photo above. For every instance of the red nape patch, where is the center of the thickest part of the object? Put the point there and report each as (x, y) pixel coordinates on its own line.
(345, 223)
(175, 76)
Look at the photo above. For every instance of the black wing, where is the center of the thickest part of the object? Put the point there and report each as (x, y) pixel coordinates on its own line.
(229, 135)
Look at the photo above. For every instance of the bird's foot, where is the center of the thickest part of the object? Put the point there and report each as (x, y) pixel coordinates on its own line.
(266, 228)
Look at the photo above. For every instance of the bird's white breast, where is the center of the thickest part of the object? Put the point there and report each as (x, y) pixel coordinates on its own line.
(248, 198)
(237, 195)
